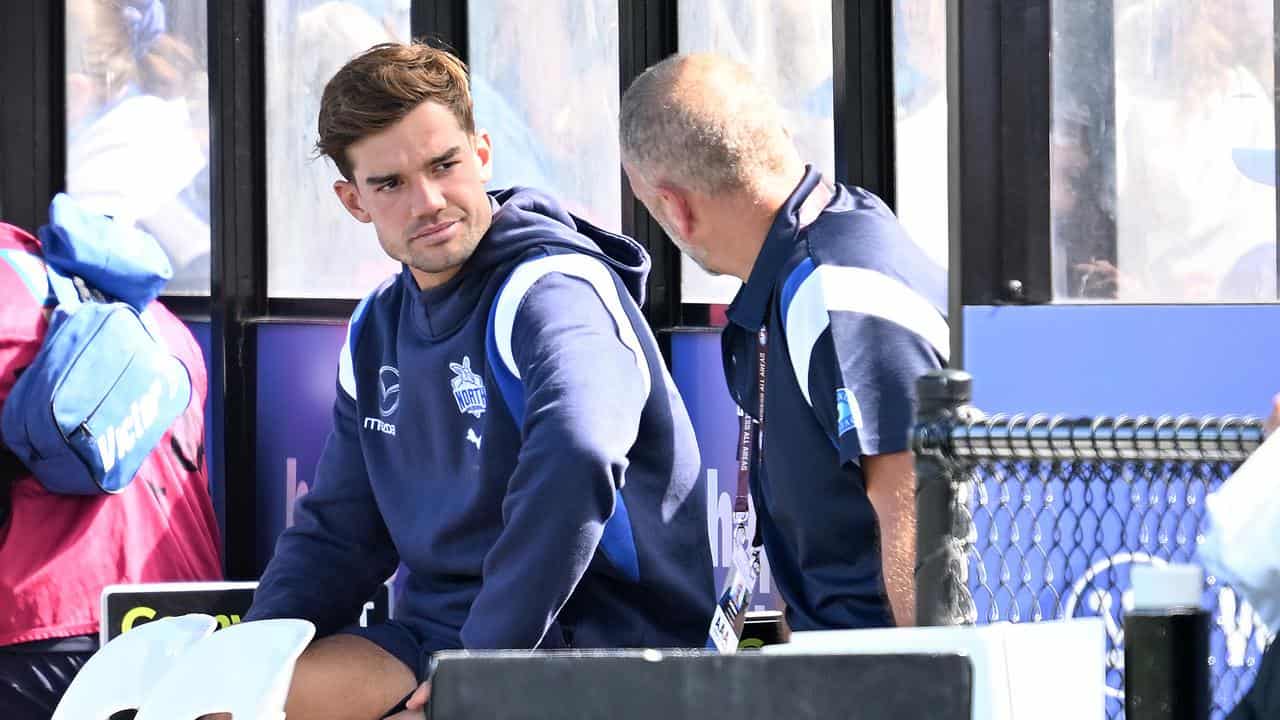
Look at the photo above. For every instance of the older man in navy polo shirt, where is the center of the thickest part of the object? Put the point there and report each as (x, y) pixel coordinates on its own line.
(839, 313)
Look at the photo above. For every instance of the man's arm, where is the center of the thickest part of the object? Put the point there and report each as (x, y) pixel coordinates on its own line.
(583, 395)
(861, 382)
(891, 481)
(337, 552)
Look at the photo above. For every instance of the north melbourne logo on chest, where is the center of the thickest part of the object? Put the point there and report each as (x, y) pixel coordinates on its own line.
(468, 388)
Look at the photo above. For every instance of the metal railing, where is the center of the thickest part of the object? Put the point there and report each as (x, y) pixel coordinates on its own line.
(1032, 517)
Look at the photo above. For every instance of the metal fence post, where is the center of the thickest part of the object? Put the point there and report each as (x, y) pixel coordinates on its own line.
(941, 527)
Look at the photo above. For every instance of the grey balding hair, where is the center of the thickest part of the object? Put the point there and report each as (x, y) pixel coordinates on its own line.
(702, 122)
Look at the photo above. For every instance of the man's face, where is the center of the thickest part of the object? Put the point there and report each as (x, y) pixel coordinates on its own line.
(421, 183)
(656, 204)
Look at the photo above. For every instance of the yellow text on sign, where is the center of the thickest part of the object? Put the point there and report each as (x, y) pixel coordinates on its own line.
(142, 614)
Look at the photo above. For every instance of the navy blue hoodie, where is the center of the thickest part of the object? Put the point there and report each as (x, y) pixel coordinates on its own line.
(513, 437)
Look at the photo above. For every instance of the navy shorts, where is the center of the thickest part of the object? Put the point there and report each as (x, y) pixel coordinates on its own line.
(399, 640)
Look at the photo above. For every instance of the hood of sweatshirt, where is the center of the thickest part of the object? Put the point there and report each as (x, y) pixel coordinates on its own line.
(526, 223)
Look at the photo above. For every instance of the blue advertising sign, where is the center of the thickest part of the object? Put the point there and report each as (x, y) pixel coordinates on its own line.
(297, 384)
(1112, 359)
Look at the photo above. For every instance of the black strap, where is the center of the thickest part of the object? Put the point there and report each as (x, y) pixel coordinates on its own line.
(751, 430)
(751, 438)
(11, 468)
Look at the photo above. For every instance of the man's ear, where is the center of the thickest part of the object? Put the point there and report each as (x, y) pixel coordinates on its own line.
(484, 154)
(677, 206)
(349, 196)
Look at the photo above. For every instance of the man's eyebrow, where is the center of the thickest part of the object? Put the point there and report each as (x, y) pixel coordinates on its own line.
(442, 157)
(379, 179)
(446, 155)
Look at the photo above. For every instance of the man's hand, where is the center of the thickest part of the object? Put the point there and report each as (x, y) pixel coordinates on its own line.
(1273, 422)
(891, 487)
(415, 706)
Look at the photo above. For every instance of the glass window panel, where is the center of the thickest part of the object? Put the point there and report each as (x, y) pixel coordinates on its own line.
(1187, 178)
(545, 86)
(314, 248)
(787, 44)
(137, 92)
(920, 96)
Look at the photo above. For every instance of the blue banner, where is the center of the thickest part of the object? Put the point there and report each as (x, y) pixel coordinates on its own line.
(297, 384)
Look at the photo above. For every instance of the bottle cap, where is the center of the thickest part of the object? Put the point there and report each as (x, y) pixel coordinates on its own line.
(1163, 587)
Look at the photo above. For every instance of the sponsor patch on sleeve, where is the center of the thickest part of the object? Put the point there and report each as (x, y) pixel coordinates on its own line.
(848, 414)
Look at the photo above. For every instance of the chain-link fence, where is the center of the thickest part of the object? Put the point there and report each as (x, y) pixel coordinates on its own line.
(1031, 517)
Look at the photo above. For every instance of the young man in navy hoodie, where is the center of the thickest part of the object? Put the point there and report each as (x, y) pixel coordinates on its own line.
(505, 426)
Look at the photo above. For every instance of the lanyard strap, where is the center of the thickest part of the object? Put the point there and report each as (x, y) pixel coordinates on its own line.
(751, 434)
(751, 431)
(730, 614)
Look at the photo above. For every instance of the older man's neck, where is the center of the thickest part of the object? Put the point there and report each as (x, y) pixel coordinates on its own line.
(755, 216)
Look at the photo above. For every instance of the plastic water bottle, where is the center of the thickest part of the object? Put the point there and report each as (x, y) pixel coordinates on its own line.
(1166, 645)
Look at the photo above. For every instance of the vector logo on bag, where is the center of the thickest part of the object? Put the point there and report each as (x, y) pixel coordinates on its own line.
(118, 440)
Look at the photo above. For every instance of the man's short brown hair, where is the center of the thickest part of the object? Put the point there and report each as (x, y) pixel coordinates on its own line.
(702, 121)
(382, 85)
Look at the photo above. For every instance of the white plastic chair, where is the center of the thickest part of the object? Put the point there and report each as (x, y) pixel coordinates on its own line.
(244, 670)
(122, 674)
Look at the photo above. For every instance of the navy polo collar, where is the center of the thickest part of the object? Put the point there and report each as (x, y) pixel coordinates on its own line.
(749, 306)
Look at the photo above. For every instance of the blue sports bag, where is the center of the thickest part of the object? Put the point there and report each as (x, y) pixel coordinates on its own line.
(98, 397)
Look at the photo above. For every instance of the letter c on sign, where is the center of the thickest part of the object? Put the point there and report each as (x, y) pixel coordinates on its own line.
(131, 617)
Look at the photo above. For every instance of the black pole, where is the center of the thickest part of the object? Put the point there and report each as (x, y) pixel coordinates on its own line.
(1025, 77)
(647, 33)
(32, 110)
(942, 596)
(1166, 665)
(956, 194)
(441, 22)
(238, 293)
(863, 101)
